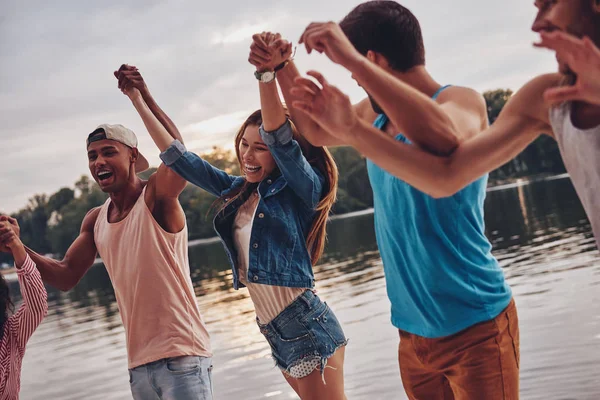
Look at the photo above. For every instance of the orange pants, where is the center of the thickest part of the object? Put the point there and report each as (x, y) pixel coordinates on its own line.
(481, 362)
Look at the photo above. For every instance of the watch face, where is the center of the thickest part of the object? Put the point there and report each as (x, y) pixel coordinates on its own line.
(267, 76)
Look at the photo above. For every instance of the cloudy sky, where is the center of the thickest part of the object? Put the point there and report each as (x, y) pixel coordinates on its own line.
(56, 82)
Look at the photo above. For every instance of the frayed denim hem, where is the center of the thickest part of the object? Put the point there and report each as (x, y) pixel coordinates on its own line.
(309, 357)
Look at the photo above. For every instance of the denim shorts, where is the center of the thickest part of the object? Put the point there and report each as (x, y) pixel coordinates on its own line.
(306, 331)
(176, 378)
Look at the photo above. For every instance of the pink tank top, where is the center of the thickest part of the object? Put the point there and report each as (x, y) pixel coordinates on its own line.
(150, 273)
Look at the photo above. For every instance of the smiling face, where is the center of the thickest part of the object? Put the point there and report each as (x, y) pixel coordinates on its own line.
(575, 17)
(255, 158)
(111, 164)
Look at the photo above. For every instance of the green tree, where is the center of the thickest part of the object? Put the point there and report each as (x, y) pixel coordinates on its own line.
(60, 199)
(225, 160)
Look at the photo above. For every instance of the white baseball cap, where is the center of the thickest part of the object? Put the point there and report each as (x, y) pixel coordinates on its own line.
(122, 135)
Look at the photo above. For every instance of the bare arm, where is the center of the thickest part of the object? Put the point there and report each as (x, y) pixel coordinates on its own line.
(524, 118)
(435, 127)
(273, 114)
(130, 77)
(165, 186)
(161, 137)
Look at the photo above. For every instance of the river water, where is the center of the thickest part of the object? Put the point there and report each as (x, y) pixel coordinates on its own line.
(541, 237)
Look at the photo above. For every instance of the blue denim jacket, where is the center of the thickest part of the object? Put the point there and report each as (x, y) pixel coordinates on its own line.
(278, 252)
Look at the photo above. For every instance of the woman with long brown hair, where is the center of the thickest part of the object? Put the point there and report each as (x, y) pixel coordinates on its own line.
(272, 222)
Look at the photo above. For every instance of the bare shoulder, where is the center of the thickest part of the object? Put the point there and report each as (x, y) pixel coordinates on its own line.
(365, 111)
(89, 221)
(466, 99)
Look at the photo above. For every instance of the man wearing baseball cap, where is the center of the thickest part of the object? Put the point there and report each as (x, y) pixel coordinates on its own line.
(141, 235)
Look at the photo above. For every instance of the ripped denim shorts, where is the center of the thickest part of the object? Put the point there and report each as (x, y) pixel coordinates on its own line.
(304, 336)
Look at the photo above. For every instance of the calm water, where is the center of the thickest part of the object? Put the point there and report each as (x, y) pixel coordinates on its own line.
(540, 235)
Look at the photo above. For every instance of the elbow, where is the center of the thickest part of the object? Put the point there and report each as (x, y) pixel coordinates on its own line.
(66, 284)
(448, 144)
(448, 183)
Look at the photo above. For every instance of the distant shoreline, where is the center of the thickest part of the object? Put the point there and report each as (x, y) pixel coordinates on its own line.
(497, 185)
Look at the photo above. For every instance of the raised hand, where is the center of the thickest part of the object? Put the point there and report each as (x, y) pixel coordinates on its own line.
(14, 224)
(9, 237)
(129, 77)
(130, 81)
(583, 58)
(268, 50)
(327, 106)
(328, 38)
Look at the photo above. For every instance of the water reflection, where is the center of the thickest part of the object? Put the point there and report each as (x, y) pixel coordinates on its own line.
(540, 235)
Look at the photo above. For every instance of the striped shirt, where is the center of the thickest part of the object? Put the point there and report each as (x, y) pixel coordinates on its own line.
(19, 328)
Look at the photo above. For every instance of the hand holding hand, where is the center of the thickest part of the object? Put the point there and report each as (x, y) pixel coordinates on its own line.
(9, 236)
(131, 82)
(268, 50)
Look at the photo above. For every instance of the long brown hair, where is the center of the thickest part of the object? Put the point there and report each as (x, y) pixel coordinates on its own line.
(318, 157)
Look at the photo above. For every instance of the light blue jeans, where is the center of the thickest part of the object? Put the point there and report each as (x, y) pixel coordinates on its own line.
(177, 378)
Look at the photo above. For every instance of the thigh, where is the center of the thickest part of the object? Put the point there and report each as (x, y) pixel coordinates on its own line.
(141, 387)
(185, 378)
(489, 367)
(327, 384)
(420, 383)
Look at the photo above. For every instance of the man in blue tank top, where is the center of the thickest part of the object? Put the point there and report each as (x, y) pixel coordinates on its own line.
(454, 311)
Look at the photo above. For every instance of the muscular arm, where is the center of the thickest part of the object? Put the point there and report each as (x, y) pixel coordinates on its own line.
(165, 186)
(437, 127)
(80, 256)
(523, 119)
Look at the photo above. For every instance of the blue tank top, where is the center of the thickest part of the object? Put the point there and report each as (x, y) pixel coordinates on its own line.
(440, 274)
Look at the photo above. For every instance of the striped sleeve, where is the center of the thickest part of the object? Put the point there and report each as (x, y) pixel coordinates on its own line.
(35, 303)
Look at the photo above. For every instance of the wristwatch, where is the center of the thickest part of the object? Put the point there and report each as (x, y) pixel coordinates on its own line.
(265, 76)
(269, 76)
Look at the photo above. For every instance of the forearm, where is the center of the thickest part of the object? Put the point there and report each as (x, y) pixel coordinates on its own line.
(424, 171)
(53, 272)
(162, 116)
(273, 114)
(417, 116)
(161, 137)
(441, 176)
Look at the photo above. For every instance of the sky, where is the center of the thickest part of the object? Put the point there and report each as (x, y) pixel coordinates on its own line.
(58, 57)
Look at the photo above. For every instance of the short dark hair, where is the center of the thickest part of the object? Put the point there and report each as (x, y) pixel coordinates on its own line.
(388, 28)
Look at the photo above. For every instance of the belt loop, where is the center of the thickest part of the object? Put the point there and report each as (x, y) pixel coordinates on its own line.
(306, 298)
